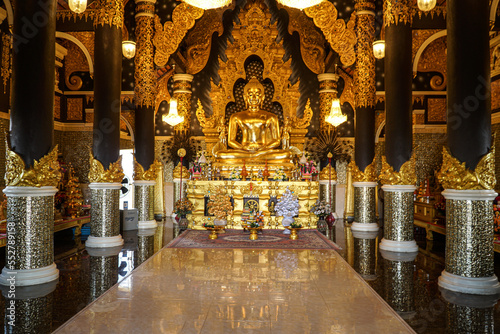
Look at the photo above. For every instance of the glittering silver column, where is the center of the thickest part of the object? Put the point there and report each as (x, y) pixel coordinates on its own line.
(145, 245)
(365, 254)
(103, 270)
(364, 207)
(144, 203)
(327, 192)
(30, 236)
(398, 219)
(469, 266)
(398, 273)
(104, 216)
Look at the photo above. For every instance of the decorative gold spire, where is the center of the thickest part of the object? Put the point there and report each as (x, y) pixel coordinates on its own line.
(454, 175)
(369, 175)
(149, 175)
(98, 174)
(406, 175)
(45, 173)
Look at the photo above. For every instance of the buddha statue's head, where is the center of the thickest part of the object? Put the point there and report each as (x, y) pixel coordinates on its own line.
(254, 94)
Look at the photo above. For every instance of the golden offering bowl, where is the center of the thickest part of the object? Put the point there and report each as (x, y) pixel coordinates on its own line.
(293, 234)
(214, 230)
(253, 230)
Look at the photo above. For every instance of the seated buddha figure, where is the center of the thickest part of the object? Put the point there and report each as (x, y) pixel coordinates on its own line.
(259, 128)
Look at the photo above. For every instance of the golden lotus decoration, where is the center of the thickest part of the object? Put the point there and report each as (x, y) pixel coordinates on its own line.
(300, 4)
(406, 175)
(369, 175)
(97, 173)
(45, 172)
(454, 175)
(208, 4)
(149, 175)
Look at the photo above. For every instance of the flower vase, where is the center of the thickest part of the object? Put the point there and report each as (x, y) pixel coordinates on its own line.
(183, 222)
(220, 222)
(286, 222)
(322, 224)
(330, 220)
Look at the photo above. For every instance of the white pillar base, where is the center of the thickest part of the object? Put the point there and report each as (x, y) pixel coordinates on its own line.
(147, 224)
(469, 285)
(29, 277)
(103, 242)
(364, 227)
(399, 246)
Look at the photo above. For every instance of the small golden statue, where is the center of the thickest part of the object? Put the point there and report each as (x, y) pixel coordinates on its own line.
(260, 131)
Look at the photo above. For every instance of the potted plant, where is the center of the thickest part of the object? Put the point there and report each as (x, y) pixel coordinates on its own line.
(321, 210)
(181, 208)
(287, 207)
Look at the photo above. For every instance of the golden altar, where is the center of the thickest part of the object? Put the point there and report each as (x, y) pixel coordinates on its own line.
(256, 193)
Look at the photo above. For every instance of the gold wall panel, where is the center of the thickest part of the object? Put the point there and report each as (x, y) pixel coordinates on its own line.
(436, 110)
(75, 109)
(495, 95)
(433, 59)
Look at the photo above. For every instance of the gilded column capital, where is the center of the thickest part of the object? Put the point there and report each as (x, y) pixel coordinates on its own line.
(397, 12)
(109, 12)
(97, 173)
(369, 175)
(454, 175)
(177, 172)
(44, 173)
(149, 175)
(328, 173)
(406, 175)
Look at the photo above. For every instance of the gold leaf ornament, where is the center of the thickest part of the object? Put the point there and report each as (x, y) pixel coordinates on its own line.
(45, 172)
(98, 174)
(149, 175)
(454, 175)
(406, 175)
(369, 175)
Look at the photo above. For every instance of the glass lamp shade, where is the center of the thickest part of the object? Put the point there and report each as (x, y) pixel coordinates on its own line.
(208, 4)
(426, 5)
(128, 49)
(336, 117)
(300, 4)
(379, 49)
(77, 6)
(173, 118)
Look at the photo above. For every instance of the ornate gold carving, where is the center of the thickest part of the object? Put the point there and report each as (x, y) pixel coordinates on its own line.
(437, 11)
(75, 60)
(369, 175)
(168, 36)
(44, 173)
(328, 173)
(364, 75)
(436, 110)
(303, 123)
(406, 175)
(348, 92)
(145, 74)
(397, 12)
(109, 12)
(5, 61)
(75, 109)
(311, 41)
(177, 172)
(57, 107)
(251, 190)
(141, 175)
(199, 40)
(97, 173)
(454, 175)
(184, 109)
(162, 89)
(204, 121)
(340, 35)
(419, 37)
(433, 59)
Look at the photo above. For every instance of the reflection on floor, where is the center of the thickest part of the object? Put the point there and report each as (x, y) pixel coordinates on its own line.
(226, 290)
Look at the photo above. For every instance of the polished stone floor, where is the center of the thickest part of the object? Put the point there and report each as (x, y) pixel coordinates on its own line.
(245, 291)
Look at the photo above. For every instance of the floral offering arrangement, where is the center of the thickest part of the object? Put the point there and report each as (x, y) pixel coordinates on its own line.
(235, 174)
(295, 225)
(309, 168)
(254, 224)
(279, 175)
(259, 217)
(208, 225)
(183, 207)
(440, 206)
(288, 205)
(219, 204)
(320, 209)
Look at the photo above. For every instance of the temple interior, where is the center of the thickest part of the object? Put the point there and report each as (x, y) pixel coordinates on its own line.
(250, 166)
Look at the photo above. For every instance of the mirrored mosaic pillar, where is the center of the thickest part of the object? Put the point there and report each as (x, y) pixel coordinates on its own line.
(468, 170)
(106, 172)
(398, 272)
(144, 203)
(145, 245)
(398, 219)
(364, 206)
(103, 270)
(365, 254)
(32, 170)
(327, 186)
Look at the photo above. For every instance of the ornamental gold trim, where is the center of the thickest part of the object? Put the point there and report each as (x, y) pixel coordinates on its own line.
(341, 36)
(397, 12)
(305, 121)
(328, 173)
(364, 75)
(406, 176)
(169, 35)
(454, 175)
(145, 74)
(109, 12)
(149, 175)
(45, 172)
(97, 173)
(369, 175)
(5, 71)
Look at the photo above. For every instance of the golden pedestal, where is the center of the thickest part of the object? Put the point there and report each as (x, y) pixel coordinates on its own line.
(252, 167)
(306, 191)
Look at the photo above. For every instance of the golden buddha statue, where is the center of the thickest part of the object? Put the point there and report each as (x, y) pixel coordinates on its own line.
(260, 130)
